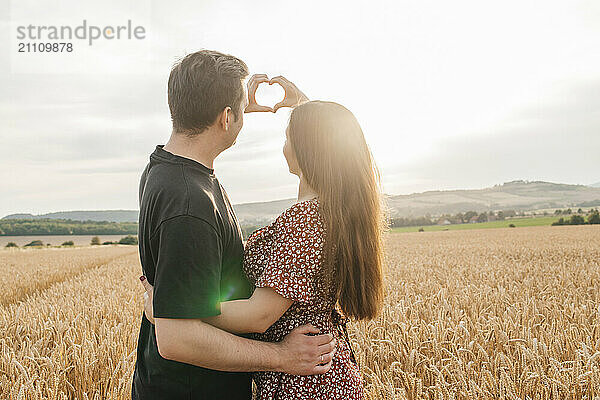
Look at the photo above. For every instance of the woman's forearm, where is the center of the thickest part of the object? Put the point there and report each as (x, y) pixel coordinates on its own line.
(237, 316)
(255, 314)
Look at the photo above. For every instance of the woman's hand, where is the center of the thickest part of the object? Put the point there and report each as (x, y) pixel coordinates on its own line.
(148, 311)
(253, 83)
(293, 96)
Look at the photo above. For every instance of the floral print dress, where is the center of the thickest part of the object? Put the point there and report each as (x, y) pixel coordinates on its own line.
(287, 256)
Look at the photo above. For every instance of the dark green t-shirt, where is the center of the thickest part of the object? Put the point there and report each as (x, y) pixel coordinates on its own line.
(191, 251)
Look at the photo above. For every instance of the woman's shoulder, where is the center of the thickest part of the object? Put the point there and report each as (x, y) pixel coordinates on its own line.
(303, 213)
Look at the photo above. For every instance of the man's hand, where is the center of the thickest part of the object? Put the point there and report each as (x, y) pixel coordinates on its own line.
(306, 355)
(148, 311)
(293, 96)
(253, 83)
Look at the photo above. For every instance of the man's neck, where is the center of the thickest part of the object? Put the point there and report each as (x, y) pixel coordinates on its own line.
(200, 148)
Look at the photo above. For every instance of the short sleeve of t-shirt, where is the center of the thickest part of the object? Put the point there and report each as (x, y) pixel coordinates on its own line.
(188, 269)
(295, 254)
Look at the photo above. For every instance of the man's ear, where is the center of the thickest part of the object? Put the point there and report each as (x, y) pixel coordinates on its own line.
(225, 118)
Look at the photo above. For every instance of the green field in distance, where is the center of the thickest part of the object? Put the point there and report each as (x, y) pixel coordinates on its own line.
(518, 222)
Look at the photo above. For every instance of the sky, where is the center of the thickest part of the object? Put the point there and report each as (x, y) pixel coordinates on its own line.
(450, 95)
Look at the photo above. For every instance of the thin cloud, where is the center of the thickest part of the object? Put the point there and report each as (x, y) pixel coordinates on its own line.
(556, 140)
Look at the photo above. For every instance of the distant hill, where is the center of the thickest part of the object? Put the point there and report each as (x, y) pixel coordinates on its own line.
(515, 195)
(103, 215)
(595, 185)
(248, 213)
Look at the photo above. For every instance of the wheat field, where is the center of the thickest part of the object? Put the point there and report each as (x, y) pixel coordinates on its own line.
(479, 314)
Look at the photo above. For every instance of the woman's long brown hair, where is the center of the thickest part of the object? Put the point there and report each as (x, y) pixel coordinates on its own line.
(335, 160)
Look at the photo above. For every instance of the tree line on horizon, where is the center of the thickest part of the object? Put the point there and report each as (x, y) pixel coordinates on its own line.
(458, 218)
(593, 218)
(47, 226)
(577, 218)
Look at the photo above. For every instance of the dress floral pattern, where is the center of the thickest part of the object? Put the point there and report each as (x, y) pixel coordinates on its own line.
(287, 256)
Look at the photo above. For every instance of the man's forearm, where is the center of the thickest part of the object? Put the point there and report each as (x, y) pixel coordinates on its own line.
(195, 342)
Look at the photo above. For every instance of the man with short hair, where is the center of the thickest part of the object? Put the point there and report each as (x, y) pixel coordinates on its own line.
(191, 249)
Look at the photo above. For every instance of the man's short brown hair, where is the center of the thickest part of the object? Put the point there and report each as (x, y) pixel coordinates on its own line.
(201, 85)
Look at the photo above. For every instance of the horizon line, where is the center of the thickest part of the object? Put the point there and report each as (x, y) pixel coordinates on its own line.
(591, 185)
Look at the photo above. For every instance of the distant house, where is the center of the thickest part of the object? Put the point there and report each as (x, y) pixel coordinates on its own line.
(474, 219)
(443, 221)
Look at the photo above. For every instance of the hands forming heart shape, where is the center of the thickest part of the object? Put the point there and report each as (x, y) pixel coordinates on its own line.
(293, 95)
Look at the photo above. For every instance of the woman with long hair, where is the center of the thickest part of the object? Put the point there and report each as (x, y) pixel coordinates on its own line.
(320, 262)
